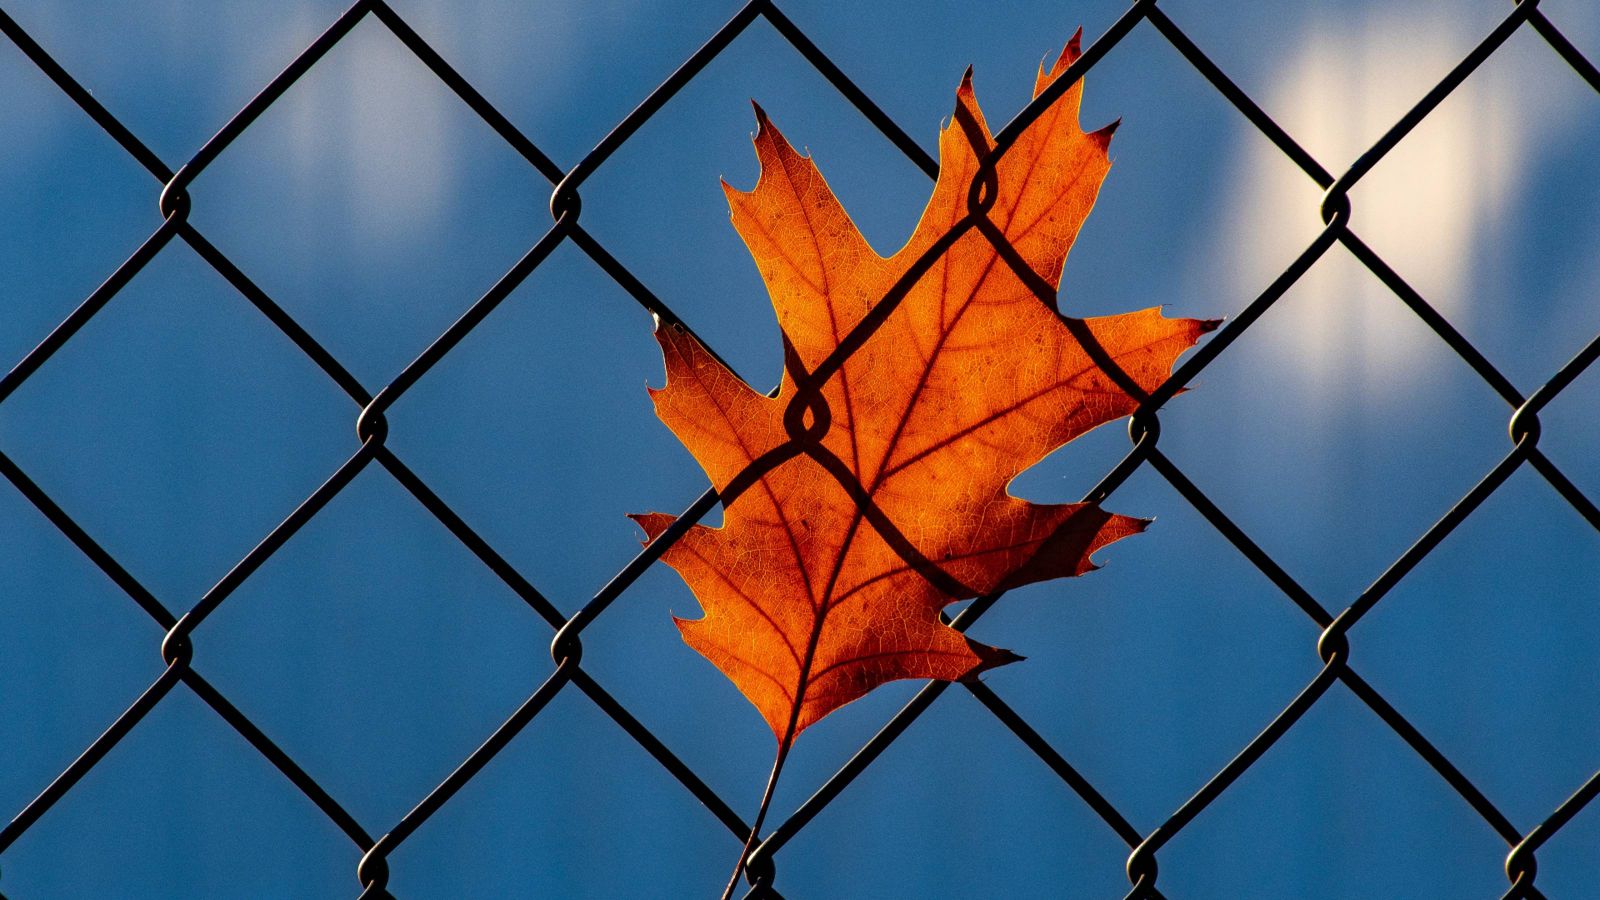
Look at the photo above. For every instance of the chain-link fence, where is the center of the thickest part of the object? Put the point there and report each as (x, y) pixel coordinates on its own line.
(1332, 647)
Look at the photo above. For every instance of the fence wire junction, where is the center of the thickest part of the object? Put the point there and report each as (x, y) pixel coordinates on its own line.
(1332, 645)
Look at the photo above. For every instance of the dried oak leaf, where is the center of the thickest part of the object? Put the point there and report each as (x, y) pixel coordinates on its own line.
(971, 380)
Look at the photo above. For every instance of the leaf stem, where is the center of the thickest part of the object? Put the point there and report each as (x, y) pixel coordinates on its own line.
(761, 812)
(793, 727)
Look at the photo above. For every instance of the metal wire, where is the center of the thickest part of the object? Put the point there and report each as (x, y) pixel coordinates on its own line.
(1332, 645)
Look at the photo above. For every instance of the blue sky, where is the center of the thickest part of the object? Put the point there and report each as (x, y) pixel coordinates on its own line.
(179, 427)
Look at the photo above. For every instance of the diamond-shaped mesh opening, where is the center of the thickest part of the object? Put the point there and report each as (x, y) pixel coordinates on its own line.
(556, 791)
(1044, 838)
(371, 203)
(1400, 829)
(378, 729)
(1160, 721)
(177, 426)
(572, 351)
(1340, 460)
(243, 830)
(1439, 651)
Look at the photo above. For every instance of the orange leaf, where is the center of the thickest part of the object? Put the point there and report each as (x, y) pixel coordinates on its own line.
(828, 574)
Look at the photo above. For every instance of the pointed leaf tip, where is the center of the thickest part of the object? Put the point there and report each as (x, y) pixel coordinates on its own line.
(1103, 135)
(653, 524)
(989, 658)
(1007, 657)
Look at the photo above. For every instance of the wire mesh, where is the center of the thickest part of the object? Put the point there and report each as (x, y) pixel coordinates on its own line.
(1332, 646)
